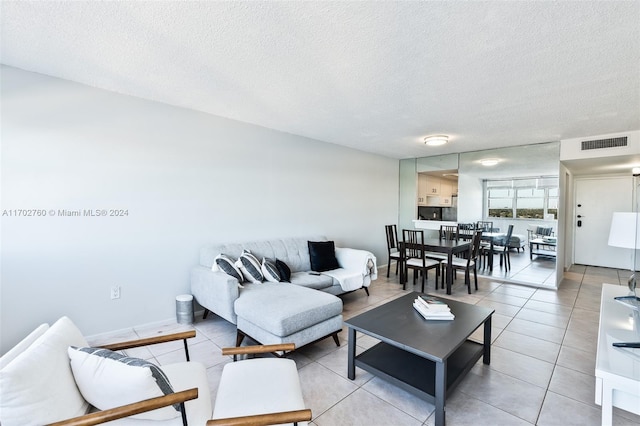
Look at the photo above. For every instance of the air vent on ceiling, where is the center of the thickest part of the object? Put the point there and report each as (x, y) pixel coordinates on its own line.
(604, 143)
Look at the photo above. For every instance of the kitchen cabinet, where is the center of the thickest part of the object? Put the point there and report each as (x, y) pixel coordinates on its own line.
(445, 188)
(434, 191)
(433, 185)
(422, 190)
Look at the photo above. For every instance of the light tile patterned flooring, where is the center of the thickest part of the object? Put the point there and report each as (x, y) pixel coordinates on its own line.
(541, 372)
(539, 271)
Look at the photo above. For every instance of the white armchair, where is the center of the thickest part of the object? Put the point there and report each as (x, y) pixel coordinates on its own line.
(39, 385)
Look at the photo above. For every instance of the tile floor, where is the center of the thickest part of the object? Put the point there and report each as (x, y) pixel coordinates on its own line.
(539, 271)
(541, 372)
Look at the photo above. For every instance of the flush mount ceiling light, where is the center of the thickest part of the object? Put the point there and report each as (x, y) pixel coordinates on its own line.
(436, 140)
(488, 162)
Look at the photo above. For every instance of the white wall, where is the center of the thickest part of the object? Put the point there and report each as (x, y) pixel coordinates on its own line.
(470, 199)
(186, 178)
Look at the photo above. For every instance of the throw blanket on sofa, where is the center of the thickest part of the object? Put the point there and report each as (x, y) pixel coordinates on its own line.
(358, 268)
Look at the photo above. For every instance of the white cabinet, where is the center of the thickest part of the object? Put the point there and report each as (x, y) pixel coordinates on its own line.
(422, 190)
(435, 192)
(617, 369)
(445, 193)
(433, 185)
(446, 188)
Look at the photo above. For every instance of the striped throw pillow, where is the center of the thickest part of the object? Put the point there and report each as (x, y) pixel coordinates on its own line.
(108, 379)
(250, 267)
(270, 271)
(227, 265)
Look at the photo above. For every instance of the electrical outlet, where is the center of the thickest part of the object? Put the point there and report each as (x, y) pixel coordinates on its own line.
(115, 292)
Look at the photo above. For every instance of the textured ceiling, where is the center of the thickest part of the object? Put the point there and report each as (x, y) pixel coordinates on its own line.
(376, 76)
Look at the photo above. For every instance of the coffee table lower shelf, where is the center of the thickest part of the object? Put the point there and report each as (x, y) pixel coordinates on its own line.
(414, 373)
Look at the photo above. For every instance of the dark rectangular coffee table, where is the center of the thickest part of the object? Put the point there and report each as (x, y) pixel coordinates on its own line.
(426, 358)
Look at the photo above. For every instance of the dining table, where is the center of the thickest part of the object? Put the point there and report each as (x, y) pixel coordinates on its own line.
(449, 247)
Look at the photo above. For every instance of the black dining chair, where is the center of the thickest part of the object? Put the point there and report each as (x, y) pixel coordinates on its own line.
(466, 231)
(485, 226)
(415, 257)
(450, 232)
(392, 247)
(502, 248)
(471, 262)
(447, 232)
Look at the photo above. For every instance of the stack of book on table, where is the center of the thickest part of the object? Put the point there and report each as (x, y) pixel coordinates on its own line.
(432, 309)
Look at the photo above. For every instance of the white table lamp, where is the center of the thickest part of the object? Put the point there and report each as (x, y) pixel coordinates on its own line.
(624, 234)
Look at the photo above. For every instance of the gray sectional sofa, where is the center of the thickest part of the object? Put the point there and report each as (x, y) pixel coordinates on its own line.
(300, 311)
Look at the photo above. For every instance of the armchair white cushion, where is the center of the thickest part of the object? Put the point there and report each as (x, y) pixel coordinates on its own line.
(261, 391)
(37, 385)
(258, 386)
(22, 345)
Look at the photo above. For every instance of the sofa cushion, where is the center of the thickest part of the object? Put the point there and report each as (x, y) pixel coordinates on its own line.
(108, 379)
(270, 271)
(228, 266)
(544, 231)
(322, 255)
(38, 387)
(283, 309)
(249, 265)
(283, 270)
(316, 282)
(293, 251)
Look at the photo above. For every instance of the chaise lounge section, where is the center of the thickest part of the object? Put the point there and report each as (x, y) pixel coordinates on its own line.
(301, 311)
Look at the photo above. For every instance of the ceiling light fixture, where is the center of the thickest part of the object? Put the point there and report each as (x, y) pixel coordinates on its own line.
(436, 140)
(488, 162)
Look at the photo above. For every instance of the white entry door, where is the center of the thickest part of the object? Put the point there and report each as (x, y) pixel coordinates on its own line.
(596, 200)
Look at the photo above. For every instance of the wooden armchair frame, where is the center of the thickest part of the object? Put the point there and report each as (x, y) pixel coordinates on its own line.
(265, 419)
(145, 405)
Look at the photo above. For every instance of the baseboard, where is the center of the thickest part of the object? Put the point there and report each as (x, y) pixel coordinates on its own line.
(106, 334)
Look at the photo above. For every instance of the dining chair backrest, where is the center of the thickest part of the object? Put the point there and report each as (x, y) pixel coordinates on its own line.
(467, 230)
(485, 226)
(392, 237)
(450, 232)
(507, 238)
(414, 240)
(475, 245)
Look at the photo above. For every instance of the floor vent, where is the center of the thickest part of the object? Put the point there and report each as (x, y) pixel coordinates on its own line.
(604, 143)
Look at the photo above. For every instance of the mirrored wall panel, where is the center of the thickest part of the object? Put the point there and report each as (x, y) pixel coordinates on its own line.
(515, 186)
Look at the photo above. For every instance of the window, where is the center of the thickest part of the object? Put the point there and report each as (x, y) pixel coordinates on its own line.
(527, 198)
(500, 202)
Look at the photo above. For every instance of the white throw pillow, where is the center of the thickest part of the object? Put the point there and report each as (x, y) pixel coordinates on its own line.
(37, 387)
(108, 379)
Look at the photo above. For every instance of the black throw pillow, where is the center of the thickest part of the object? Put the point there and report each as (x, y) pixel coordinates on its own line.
(284, 271)
(323, 256)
